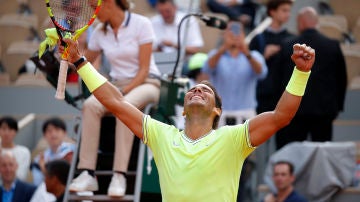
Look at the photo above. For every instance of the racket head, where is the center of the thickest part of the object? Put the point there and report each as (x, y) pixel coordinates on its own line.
(73, 16)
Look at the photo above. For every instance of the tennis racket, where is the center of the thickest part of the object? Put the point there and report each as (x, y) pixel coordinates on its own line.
(259, 29)
(71, 18)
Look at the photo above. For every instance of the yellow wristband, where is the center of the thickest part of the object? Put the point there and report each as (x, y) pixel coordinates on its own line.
(91, 77)
(297, 83)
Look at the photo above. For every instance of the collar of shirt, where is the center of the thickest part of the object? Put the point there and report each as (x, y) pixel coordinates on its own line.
(275, 31)
(8, 195)
(125, 22)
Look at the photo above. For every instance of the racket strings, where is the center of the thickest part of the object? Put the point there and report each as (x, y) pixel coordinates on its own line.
(71, 15)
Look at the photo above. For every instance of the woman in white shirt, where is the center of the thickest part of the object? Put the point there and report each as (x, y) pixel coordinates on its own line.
(126, 40)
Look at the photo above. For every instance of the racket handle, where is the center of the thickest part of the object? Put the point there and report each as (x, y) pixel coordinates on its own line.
(61, 85)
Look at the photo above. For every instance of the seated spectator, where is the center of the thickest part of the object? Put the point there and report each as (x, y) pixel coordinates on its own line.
(166, 24)
(56, 175)
(12, 188)
(54, 130)
(8, 131)
(283, 177)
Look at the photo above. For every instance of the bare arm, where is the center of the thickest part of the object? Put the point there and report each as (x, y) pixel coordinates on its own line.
(304, 58)
(114, 101)
(92, 57)
(110, 96)
(145, 51)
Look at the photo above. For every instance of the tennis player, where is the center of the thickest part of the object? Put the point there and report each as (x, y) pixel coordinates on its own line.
(202, 162)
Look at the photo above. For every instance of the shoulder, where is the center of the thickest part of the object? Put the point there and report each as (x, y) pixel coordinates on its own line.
(156, 19)
(295, 197)
(25, 186)
(139, 18)
(22, 149)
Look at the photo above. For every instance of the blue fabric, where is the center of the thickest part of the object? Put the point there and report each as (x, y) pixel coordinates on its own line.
(235, 80)
(7, 196)
(295, 197)
(21, 192)
(64, 149)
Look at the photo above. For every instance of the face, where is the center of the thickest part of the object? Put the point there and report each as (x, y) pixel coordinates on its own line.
(50, 181)
(7, 134)
(167, 11)
(282, 13)
(200, 95)
(54, 136)
(8, 167)
(104, 13)
(282, 177)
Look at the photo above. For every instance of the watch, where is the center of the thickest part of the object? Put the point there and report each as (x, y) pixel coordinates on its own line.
(79, 61)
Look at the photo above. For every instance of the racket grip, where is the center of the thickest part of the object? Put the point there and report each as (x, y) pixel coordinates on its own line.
(61, 85)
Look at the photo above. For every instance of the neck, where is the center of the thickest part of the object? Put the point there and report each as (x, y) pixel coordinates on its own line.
(196, 127)
(58, 191)
(276, 25)
(54, 148)
(234, 51)
(7, 185)
(7, 145)
(116, 22)
(283, 194)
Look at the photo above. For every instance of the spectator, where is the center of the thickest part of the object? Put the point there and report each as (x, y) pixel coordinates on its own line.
(56, 175)
(166, 25)
(234, 71)
(201, 162)
(268, 43)
(236, 10)
(13, 189)
(54, 131)
(325, 99)
(283, 177)
(126, 40)
(8, 131)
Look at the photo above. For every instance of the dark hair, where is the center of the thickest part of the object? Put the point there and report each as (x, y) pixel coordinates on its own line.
(54, 121)
(165, 1)
(194, 73)
(218, 102)
(275, 4)
(10, 121)
(290, 165)
(123, 4)
(58, 168)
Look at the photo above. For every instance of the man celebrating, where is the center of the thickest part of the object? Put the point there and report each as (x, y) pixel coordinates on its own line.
(202, 162)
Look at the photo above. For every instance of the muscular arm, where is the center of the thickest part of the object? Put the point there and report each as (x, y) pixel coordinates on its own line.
(263, 126)
(110, 96)
(113, 100)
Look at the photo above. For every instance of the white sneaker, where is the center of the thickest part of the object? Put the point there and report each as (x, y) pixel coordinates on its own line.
(117, 185)
(84, 182)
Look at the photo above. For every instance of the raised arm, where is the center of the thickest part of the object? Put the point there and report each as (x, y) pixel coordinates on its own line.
(105, 92)
(264, 125)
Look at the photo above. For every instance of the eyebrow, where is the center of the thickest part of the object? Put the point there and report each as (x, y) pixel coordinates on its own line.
(202, 87)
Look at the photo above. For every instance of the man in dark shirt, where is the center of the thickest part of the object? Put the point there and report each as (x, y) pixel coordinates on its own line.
(268, 43)
(13, 189)
(325, 99)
